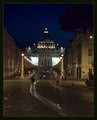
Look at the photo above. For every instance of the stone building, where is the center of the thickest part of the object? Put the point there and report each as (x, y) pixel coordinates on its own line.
(9, 48)
(80, 55)
(11, 56)
(46, 54)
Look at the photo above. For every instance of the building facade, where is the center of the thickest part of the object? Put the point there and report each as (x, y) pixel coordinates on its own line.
(80, 56)
(46, 54)
(9, 48)
(11, 56)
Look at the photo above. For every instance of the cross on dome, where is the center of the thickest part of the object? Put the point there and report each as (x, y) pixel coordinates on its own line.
(45, 28)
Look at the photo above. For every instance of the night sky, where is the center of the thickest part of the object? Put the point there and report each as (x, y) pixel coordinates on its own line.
(26, 23)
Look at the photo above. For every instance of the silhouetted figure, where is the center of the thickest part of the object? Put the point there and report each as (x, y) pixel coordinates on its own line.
(40, 77)
(89, 79)
(44, 77)
(32, 81)
(65, 76)
(62, 78)
(91, 76)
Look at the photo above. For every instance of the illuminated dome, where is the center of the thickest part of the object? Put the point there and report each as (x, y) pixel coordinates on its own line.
(46, 40)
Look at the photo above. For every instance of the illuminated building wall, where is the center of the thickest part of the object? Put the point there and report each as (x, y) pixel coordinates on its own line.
(55, 60)
(35, 60)
(11, 56)
(9, 49)
(80, 56)
(88, 55)
(46, 53)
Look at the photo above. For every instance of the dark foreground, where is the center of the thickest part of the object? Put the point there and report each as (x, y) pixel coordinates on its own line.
(71, 99)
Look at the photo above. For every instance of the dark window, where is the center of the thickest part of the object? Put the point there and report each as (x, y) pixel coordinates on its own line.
(89, 52)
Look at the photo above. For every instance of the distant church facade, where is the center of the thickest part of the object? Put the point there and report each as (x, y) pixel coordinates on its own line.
(46, 53)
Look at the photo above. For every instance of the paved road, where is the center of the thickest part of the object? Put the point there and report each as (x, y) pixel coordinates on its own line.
(47, 100)
(18, 101)
(75, 98)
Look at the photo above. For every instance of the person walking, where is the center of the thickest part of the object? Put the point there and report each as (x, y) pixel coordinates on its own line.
(33, 81)
(44, 77)
(40, 77)
(65, 76)
(62, 78)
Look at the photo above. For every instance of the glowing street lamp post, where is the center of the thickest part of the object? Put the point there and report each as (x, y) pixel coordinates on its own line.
(22, 67)
(62, 66)
(62, 62)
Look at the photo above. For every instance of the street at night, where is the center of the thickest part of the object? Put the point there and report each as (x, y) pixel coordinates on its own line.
(48, 60)
(72, 99)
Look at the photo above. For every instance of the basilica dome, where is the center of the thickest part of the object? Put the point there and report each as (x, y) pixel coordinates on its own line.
(46, 41)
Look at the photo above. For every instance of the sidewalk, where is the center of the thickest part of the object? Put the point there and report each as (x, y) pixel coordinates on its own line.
(17, 78)
(68, 82)
(73, 82)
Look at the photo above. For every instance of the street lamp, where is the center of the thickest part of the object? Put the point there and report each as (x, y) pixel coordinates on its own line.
(25, 57)
(22, 67)
(62, 66)
(62, 62)
(91, 36)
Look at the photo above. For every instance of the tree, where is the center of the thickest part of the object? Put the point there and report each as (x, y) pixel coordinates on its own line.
(77, 18)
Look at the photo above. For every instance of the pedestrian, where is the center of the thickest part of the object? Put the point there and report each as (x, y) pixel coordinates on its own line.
(40, 77)
(57, 80)
(62, 78)
(65, 77)
(44, 77)
(32, 81)
(87, 78)
(91, 77)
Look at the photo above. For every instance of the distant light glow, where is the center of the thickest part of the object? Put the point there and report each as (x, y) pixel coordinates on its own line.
(29, 49)
(34, 60)
(25, 57)
(45, 28)
(91, 37)
(56, 60)
(45, 31)
(22, 54)
(62, 50)
(62, 55)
